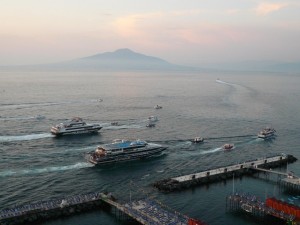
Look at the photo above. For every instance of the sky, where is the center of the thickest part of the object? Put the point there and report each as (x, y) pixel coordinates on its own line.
(191, 32)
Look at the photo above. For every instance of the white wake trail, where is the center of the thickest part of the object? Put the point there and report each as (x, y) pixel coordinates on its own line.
(51, 169)
(211, 151)
(25, 137)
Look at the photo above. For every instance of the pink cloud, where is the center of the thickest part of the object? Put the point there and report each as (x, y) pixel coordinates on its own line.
(266, 8)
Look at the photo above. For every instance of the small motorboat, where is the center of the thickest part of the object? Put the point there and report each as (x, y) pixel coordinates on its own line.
(198, 140)
(150, 124)
(266, 133)
(40, 117)
(152, 118)
(227, 147)
(158, 107)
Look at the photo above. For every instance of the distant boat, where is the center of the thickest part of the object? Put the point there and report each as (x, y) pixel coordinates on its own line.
(157, 107)
(267, 132)
(228, 147)
(40, 117)
(123, 150)
(75, 126)
(150, 124)
(153, 118)
(198, 140)
(115, 123)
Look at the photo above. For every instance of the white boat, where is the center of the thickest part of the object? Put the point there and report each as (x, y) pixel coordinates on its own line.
(150, 124)
(267, 132)
(246, 207)
(198, 140)
(123, 150)
(75, 126)
(158, 107)
(152, 118)
(40, 117)
(228, 147)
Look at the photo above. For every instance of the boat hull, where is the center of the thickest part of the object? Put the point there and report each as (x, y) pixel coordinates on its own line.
(265, 136)
(79, 131)
(126, 157)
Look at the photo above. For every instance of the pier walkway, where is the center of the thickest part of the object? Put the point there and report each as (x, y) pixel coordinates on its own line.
(145, 211)
(231, 168)
(151, 212)
(49, 206)
(224, 172)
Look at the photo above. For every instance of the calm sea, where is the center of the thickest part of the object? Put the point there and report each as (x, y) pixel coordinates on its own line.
(35, 166)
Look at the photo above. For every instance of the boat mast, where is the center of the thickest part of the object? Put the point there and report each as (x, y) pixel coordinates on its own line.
(233, 185)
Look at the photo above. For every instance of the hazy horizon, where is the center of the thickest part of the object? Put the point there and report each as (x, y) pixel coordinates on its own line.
(192, 34)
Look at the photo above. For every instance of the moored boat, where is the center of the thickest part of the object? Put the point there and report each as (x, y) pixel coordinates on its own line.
(75, 126)
(267, 132)
(123, 150)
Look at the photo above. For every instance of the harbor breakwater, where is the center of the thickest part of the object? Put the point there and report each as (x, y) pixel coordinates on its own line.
(222, 173)
(50, 209)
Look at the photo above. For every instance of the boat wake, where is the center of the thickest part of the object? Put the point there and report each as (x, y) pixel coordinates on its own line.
(145, 176)
(120, 127)
(79, 165)
(211, 151)
(20, 118)
(42, 104)
(24, 137)
(223, 82)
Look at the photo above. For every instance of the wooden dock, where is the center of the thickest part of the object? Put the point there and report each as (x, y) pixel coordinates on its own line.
(222, 173)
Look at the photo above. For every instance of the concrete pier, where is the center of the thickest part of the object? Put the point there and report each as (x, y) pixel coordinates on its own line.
(45, 210)
(143, 211)
(222, 173)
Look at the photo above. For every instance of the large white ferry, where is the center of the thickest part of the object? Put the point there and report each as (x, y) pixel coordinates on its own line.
(123, 150)
(267, 132)
(75, 126)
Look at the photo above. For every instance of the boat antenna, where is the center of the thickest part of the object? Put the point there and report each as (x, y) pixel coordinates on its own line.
(233, 184)
(130, 184)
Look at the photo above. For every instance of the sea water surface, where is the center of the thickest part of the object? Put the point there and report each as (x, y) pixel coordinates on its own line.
(36, 166)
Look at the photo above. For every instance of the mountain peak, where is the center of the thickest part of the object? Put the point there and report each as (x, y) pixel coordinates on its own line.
(121, 59)
(124, 50)
(124, 54)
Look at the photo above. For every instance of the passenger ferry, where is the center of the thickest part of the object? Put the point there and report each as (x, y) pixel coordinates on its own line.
(266, 133)
(75, 126)
(123, 150)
